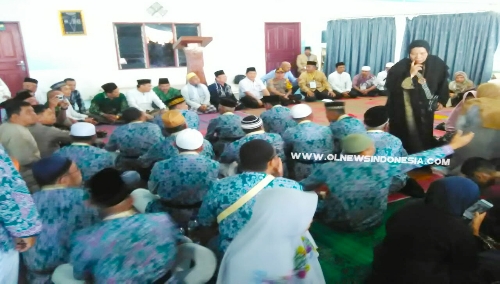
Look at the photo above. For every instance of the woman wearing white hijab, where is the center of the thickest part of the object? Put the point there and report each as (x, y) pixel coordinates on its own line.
(275, 245)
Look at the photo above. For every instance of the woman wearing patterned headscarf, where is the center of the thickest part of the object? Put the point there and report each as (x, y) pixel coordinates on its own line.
(481, 116)
(459, 86)
(417, 86)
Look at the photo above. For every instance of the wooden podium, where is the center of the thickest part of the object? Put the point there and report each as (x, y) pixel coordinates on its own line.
(193, 48)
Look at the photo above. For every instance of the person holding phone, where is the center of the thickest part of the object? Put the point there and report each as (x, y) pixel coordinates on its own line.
(417, 87)
(428, 241)
(485, 175)
(63, 95)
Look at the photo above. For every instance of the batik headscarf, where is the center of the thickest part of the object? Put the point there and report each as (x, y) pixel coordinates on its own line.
(457, 111)
(488, 101)
(466, 85)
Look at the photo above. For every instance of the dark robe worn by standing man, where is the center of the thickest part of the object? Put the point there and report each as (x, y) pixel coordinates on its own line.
(411, 113)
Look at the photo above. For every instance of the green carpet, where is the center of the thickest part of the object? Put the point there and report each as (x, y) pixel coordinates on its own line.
(346, 258)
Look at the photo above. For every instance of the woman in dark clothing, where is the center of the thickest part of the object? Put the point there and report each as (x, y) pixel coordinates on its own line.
(417, 86)
(428, 241)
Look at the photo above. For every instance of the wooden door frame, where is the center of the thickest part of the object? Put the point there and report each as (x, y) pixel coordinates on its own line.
(22, 44)
(265, 36)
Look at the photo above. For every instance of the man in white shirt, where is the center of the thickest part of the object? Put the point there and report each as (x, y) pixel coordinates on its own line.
(4, 91)
(341, 82)
(31, 85)
(143, 98)
(252, 90)
(197, 95)
(381, 76)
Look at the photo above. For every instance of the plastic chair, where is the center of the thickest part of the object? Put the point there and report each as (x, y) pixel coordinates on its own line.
(228, 170)
(204, 267)
(142, 197)
(64, 275)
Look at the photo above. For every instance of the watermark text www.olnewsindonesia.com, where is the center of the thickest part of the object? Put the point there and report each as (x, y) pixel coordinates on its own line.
(368, 159)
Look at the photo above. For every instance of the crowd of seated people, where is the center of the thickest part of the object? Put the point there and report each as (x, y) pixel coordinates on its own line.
(246, 190)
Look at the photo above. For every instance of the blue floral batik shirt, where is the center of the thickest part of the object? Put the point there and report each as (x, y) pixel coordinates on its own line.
(388, 145)
(182, 180)
(226, 126)
(307, 137)
(134, 139)
(18, 215)
(166, 149)
(232, 151)
(344, 126)
(227, 191)
(129, 250)
(89, 159)
(358, 191)
(62, 211)
(277, 120)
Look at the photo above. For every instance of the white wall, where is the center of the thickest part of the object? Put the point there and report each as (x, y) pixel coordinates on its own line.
(236, 26)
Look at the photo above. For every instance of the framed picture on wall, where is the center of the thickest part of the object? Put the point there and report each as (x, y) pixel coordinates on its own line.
(72, 23)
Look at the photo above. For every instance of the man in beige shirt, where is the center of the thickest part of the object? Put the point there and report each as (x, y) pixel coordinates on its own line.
(303, 58)
(314, 85)
(17, 139)
(47, 137)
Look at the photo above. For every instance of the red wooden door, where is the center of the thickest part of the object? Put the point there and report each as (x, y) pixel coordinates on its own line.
(282, 44)
(13, 66)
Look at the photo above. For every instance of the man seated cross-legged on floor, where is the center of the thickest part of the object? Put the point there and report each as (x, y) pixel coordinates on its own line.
(365, 84)
(252, 90)
(197, 95)
(221, 89)
(145, 100)
(341, 82)
(286, 67)
(282, 87)
(107, 107)
(164, 91)
(314, 85)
